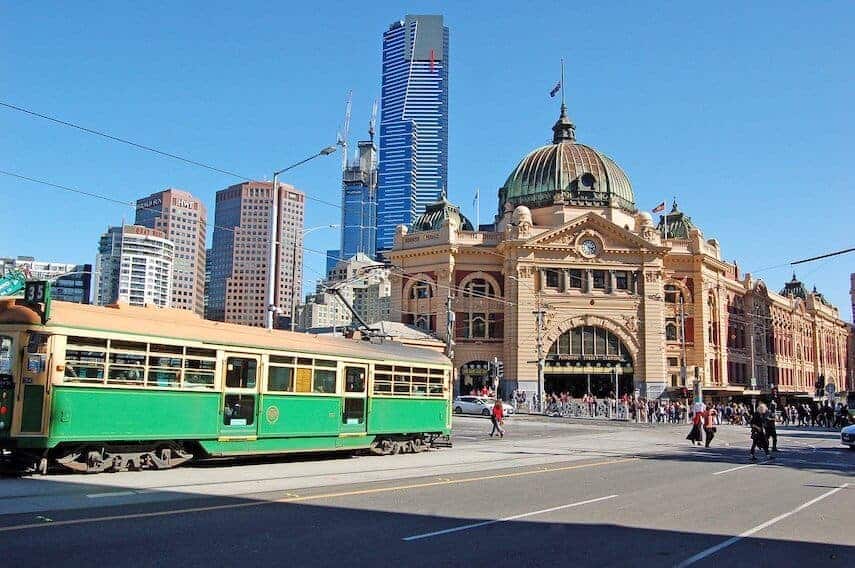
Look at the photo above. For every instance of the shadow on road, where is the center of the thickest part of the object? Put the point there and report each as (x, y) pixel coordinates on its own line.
(246, 532)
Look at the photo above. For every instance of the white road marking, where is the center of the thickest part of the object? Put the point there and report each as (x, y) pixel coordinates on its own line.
(732, 540)
(734, 468)
(505, 519)
(111, 494)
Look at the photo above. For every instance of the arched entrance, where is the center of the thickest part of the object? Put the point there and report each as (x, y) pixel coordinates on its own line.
(589, 359)
(473, 375)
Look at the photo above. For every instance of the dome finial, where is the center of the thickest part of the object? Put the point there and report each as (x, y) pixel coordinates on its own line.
(564, 129)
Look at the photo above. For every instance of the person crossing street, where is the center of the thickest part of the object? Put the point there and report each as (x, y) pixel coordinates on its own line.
(497, 417)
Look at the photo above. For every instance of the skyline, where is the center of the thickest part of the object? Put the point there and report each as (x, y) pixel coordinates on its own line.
(726, 136)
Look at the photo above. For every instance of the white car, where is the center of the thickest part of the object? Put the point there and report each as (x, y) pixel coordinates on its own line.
(847, 436)
(478, 405)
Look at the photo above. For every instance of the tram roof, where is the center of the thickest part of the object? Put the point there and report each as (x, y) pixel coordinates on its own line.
(177, 324)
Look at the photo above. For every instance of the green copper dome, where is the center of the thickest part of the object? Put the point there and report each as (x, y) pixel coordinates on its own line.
(437, 212)
(676, 224)
(568, 171)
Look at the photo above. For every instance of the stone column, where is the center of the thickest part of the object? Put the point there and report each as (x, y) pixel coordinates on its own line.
(612, 283)
(589, 281)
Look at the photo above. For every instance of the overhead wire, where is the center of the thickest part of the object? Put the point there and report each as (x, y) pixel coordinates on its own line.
(400, 271)
(145, 147)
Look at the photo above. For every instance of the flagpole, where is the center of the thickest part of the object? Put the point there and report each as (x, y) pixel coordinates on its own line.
(562, 82)
(477, 209)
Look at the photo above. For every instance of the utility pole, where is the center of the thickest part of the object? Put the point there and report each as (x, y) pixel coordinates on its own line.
(449, 337)
(539, 313)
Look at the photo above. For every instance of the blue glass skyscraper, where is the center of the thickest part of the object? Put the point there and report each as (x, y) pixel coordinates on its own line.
(413, 169)
(359, 203)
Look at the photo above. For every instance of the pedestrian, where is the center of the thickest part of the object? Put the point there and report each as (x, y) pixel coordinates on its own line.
(758, 431)
(695, 435)
(771, 432)
(497, 417)
(709, 424)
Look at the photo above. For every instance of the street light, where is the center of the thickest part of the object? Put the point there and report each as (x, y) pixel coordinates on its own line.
(295, 294)
(273, 260)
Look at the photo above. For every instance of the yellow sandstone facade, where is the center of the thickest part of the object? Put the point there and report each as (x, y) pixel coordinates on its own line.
(623, 303)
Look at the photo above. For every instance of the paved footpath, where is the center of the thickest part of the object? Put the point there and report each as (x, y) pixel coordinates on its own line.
(552, 492)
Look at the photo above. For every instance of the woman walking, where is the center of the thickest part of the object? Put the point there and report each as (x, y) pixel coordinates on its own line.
(709, 424)
(758, 431)
(497, 418)
(695, 435)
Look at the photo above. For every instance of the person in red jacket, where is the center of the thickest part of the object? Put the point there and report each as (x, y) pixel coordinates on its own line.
(709, 424)
(497, 417)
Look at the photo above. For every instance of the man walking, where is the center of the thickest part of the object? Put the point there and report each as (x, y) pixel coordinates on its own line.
(771, 432)
(758, 431)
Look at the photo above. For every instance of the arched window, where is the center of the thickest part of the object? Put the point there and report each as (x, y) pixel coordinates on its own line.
(671, 331)
(672, 294)
(478, 288)
(421, 290)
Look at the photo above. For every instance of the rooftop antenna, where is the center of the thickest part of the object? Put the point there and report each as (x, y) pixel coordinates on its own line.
(344, 133)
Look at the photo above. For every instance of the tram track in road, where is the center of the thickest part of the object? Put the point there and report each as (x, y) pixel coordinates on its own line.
(23, 522)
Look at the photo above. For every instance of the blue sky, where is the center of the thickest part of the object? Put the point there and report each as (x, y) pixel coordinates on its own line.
(744, 112)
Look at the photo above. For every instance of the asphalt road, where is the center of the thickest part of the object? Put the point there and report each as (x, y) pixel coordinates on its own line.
(549, 493)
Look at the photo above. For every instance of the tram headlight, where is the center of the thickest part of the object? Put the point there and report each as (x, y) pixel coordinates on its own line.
(2, 424)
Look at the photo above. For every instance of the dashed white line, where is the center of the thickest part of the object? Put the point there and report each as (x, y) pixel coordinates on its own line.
(732, 540)
(505, 519)
(111, 494)
(734, 468)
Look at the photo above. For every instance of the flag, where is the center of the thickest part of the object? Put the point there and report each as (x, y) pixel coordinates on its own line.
(475, 201)
(659, 208)
(555, 89)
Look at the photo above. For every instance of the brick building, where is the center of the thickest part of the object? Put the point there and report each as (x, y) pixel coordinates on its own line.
(625, 303)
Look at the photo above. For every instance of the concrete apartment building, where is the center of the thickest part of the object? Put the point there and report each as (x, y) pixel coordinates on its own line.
(183, 220)
(368, 292)
(134, 265)
(237, 291)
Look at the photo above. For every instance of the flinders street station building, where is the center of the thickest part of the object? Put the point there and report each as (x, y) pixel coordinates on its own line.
(609, 294)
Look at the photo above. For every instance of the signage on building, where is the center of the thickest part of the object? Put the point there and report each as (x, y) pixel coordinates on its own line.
(150, 203)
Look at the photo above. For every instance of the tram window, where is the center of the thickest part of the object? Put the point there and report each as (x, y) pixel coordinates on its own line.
(240, 373)
(163, 377)
(280, 379)
(87, 341)
(117, 345)
(354, 379)
(239, 410)
(199, 352)
(325, 363)
(157, 361)
(324, 381)
(354, 411)
(304, 361)
(84, 365)
(198, 379)
(160, 348)
(281, 360)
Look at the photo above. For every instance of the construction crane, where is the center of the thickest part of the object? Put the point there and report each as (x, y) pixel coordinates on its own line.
(373, 122)
(344, 133)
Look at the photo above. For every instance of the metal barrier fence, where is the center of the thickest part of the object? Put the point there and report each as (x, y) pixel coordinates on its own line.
(601, 409)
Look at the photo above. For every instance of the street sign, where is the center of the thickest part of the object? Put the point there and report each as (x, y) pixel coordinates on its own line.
(830, 389)
(753, 383)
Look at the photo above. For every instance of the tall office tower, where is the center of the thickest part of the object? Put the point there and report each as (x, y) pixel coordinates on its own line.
(134, 265)
(183, 220)
(69, 282)
(240, 253)
(413, 122)
(359, 203)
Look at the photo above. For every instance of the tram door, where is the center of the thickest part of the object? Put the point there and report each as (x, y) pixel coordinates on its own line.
(239, 409)
(354, 415)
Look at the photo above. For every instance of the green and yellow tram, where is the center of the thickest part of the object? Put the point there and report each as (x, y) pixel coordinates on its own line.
(120, 387)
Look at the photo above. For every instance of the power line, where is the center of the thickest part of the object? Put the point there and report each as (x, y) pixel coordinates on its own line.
(144, 147)
(107, 198)
(844, 251)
